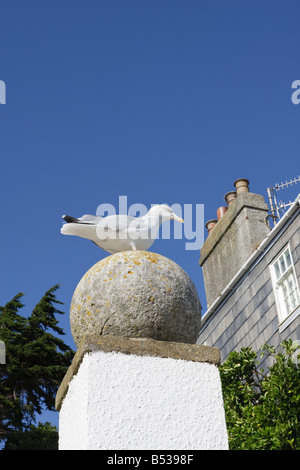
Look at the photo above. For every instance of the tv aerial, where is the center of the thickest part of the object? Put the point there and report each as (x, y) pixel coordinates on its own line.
(278, 208)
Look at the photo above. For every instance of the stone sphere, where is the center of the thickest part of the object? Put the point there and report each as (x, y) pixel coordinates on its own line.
(136, 294)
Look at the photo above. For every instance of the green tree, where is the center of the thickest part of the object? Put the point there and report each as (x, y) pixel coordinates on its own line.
(262, 409)
(41, 437)
(36, 361)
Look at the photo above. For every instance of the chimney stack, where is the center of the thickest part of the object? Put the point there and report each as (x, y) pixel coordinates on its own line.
(233, 238)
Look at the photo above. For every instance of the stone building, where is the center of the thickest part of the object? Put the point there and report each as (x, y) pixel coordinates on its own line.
(251, 275)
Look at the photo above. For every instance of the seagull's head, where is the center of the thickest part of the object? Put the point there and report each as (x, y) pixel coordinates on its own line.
(165, 213)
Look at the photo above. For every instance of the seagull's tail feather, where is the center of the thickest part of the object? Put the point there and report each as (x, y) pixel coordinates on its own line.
(70, 219)
(86, 219)
(80, 230)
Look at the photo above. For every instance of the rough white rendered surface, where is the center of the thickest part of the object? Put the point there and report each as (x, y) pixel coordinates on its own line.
(125, 402)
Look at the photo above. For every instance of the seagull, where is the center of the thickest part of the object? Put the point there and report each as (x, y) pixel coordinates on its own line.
(117, 233)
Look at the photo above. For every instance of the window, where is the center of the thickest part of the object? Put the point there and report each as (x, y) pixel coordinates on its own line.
(285, 284)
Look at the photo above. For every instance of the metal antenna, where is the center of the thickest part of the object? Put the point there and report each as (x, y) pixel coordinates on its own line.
(277, 208)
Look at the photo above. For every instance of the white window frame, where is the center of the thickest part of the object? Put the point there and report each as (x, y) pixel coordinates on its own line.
(285, 284)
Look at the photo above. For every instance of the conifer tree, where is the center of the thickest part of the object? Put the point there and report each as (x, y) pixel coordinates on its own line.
(36, 361)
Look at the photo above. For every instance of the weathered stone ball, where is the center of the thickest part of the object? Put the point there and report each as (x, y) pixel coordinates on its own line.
(136, 294)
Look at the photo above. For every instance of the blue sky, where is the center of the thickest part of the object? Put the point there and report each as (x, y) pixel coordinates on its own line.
(164, 101)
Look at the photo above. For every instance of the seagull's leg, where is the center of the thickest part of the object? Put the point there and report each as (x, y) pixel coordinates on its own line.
(133, 245)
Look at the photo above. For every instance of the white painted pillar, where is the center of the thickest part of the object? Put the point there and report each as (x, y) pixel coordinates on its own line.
(131, 394)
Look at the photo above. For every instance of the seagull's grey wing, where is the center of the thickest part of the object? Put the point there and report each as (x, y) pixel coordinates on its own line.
(117, 223)
(90, 219)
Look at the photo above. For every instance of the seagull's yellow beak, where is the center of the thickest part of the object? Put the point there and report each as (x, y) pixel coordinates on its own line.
(179, 219)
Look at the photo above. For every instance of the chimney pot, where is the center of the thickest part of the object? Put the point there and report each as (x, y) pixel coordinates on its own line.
(241, 186)
(210, 224)
(230, 197)
(221, 211)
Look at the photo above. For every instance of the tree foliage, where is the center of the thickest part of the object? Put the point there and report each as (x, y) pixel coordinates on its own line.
(41, 437)
(36, 361)
(262, 409)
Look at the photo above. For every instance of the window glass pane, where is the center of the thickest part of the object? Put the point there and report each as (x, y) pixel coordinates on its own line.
(287, 258)
(277, 270)
(294, 293)
(286, 298)
(282, 265)
(293, 300)
(291, 291)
